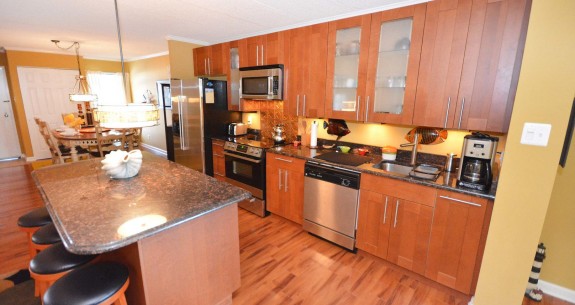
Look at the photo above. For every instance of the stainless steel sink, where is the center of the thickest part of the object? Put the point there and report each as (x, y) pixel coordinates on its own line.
(393, 168)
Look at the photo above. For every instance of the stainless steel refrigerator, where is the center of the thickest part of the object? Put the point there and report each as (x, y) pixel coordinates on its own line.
(198, 113)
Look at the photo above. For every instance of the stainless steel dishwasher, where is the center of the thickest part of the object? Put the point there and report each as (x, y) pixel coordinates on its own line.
(331, 200)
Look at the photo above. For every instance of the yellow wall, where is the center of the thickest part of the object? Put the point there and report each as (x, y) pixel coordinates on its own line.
(545, 93)
(101, 65)
(30, 59)
(559, 229)
(143, 76)
(181, 59)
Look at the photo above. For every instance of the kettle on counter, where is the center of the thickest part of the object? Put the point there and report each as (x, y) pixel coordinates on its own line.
(278, 134)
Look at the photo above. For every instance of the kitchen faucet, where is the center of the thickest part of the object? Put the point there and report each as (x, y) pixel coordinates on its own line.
(414, 150)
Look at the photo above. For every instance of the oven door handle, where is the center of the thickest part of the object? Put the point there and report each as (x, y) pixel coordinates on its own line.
(242, 157)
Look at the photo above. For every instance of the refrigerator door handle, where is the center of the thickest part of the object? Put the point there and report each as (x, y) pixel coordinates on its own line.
(183, 130)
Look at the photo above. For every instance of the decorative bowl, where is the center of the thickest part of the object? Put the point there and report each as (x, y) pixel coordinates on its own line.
(120, 164)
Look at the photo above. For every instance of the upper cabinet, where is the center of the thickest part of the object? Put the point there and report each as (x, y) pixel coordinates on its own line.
(347, 55)
(392, 72)
(232, 65)
(263, 50)
(470, 63)
(209, 61)
(305, 71)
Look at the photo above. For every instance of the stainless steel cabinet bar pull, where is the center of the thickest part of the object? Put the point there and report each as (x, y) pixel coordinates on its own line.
(242, 157)
(263, 63)
(297, 105)
(286, 180)
(257, 55)
(280, 179)
(303, 109)
(209, 67)
(385, 210)
(285, 160)
(461, 201)
(396, 208)
(218, 144)
(447, 112)
(218, 155)
(366, 107)
(461, 113)
(206, 65)
(357, 110)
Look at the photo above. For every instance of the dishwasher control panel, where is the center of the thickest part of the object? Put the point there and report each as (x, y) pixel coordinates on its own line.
(333, 175)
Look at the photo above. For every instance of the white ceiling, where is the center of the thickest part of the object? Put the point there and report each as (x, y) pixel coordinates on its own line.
(146, 25)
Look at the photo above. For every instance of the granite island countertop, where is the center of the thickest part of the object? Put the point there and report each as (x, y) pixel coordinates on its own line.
(446, 181)
(94, 213)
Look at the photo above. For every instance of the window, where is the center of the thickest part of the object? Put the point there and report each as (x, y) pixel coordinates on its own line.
(108, 86)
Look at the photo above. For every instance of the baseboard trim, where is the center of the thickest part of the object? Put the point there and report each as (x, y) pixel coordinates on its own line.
(155, 150)
(557, 291)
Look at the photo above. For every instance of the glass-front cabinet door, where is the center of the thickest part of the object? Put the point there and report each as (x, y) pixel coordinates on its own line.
(348, 45)
(395, 47)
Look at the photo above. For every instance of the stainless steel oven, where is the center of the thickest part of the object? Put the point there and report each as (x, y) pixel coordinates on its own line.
(246, 168)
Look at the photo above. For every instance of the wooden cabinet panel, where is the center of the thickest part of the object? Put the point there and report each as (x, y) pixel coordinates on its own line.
(470, 63)
(284, 186)
(409, 237)
(306, 71)
(218, 160)
(400, 189)
(446, 27)
(457, 241)
(373, 223)
(262, 50)
(209, 60)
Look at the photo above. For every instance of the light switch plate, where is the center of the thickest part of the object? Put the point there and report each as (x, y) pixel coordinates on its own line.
(535, 134)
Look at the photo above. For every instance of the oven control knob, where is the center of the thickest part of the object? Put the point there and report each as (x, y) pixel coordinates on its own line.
(345, 182)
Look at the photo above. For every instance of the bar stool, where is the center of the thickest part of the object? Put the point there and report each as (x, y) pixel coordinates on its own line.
(45, 237)
(53, 263)
(100, 283)
(31, 222)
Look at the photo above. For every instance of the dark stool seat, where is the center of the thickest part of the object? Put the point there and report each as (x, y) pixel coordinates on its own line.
(46, 235)
(37, 218)
(30, 223)
(89, 285)
(53, 263)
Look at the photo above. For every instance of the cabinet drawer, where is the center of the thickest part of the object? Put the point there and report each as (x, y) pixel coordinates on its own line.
(399, 189)
(292, 164)
(218, 147)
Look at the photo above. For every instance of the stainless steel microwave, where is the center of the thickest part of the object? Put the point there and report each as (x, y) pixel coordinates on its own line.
(262, 82)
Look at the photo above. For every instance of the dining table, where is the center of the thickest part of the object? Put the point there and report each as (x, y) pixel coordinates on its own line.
(85, 137)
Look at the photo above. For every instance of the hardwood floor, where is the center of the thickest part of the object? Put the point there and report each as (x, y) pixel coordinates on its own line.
(280, 263)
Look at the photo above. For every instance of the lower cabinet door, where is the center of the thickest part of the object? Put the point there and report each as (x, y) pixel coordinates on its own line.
(373, 223)
(409, 237)
(457, 240)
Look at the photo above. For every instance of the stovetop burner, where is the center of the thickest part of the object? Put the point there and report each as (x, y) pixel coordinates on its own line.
(255, 141)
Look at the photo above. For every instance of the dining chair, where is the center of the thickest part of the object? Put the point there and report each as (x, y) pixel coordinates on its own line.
(60, 154)
(109, 141)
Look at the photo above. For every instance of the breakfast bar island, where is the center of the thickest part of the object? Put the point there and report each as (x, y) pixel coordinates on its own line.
(176, 229)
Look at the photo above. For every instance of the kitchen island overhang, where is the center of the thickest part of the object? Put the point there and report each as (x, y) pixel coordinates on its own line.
(175, 228)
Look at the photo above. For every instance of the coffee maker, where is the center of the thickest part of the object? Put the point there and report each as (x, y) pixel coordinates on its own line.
(475, 168)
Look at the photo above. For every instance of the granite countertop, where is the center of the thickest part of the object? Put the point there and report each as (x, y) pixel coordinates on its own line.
(446, 181)
(94, 213)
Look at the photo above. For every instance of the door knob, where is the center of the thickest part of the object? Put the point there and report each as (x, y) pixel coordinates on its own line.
(6, 114)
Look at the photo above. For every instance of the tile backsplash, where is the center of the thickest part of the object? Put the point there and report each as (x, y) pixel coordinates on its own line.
(270, 114)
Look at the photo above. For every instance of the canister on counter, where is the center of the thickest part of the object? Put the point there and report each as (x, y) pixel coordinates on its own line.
(451, 163)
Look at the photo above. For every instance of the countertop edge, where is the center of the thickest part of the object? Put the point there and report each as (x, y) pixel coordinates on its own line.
(288, 153)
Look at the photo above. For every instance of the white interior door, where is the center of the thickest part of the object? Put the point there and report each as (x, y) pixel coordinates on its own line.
(45, 95)
(9, 145)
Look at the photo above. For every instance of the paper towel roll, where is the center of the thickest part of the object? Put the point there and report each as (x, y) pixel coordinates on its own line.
(313, 138)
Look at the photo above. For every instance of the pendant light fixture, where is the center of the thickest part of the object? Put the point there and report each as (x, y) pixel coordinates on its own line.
(81, 88)
(130, 115)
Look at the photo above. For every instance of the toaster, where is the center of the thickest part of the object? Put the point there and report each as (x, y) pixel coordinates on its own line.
(237, 129)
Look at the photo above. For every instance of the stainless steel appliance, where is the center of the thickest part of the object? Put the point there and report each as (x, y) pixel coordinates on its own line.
(246, 168)
(198, 113)
(262, 82)
(331, 202)
(475, 169)
(237, 129)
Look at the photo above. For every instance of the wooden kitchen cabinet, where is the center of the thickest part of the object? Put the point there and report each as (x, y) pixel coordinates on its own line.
(392, 71)
(209, 60)
(470, 63)
(395, 221)
(347, 58)
(284, 186)
(458, 235)
(305, 72)
(263, 50)
(219, 161)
